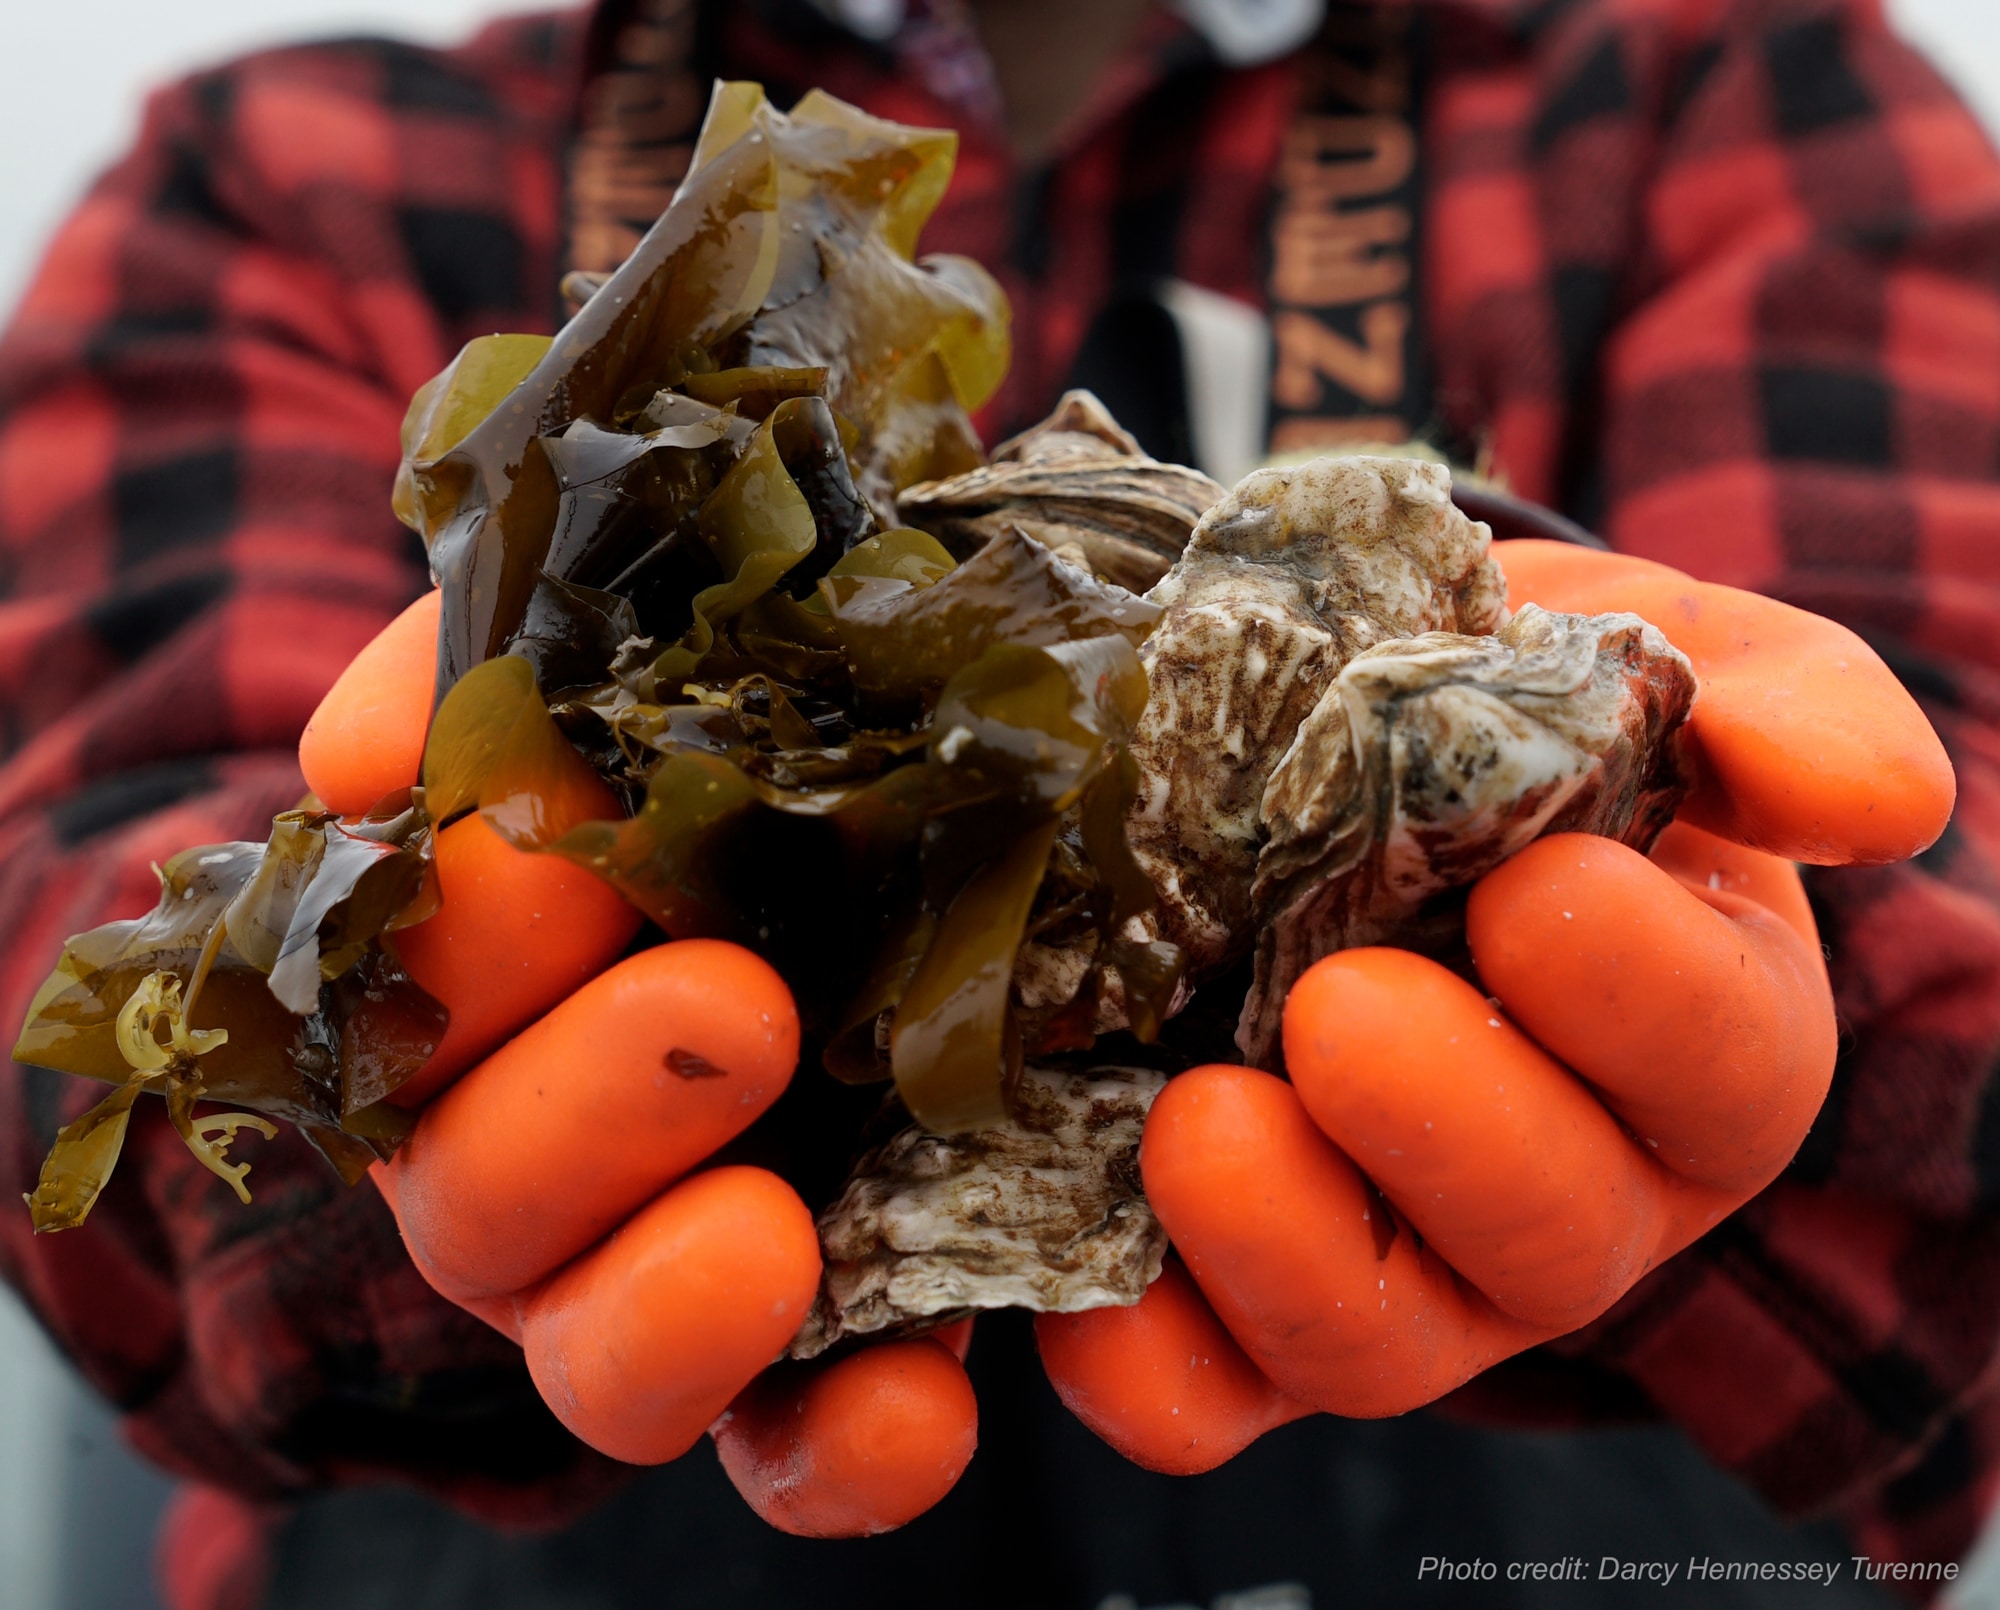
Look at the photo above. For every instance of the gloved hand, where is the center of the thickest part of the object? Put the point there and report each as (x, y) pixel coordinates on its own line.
(1451, 1176)
(554, 1183)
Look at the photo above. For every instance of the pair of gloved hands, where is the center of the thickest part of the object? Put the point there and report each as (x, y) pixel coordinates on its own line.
(1658, 1037)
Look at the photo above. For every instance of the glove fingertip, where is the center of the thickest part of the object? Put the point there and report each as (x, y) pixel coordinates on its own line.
(1163, 1381)
(855, 1447)
(1863, 783)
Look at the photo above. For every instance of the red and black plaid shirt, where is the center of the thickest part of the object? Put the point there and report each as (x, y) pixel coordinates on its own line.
(1720, 276)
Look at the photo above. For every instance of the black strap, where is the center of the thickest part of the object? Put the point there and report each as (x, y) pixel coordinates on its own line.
(1348, 361)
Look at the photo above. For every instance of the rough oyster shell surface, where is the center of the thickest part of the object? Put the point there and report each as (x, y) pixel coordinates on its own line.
(1283, 582)
(1431, 759)
(1078, 483)
(1043, 1212)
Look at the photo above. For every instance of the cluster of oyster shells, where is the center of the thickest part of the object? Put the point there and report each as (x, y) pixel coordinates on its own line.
(1345, 730)
(1431, 760)
(1282, 583)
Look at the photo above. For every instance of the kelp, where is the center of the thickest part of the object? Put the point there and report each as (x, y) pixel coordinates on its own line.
(715, 477)
(881, 835)
(669, 557)
(275, 946)
(785, 268)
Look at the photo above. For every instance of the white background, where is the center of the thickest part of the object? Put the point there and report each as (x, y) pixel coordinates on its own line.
(70, 84)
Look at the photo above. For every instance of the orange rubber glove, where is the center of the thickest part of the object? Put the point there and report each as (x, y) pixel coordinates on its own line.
(1452, 1176)
(554, 1184)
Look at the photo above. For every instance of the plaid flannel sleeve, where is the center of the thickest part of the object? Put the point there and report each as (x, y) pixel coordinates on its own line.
(199, 404)
(1761, 246)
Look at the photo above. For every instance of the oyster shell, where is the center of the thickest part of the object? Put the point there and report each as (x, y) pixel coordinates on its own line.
(1342, 732)
(1432, 759)
(1078, 483)
(1283, 582)
(1043, 1212)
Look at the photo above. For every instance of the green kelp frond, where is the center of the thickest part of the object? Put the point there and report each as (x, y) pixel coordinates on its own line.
(86, 1151)
(671, 563)
(280, 943)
